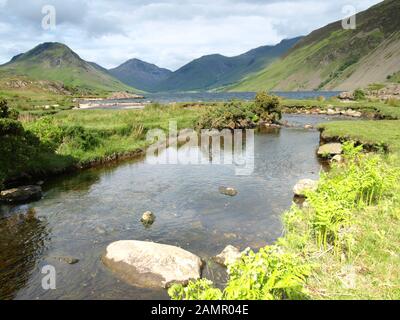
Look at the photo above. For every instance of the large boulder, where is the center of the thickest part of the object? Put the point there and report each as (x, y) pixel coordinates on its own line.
(228, 256)
(151, 265)
(21, 194)
(330, 149)
(303, 186)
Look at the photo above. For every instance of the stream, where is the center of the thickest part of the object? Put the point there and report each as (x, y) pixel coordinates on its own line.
(80, 214)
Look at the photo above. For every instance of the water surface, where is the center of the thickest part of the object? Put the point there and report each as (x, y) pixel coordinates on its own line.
(81, 214)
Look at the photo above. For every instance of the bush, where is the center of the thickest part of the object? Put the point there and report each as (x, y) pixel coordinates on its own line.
(241, 115)
(359, 94)
(53, 135)
(268, 107)
(6, 112)
(270, 274)
(10, 127)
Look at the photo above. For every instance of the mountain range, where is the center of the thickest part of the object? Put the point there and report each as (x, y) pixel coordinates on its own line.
(333, 58)
(330, 58)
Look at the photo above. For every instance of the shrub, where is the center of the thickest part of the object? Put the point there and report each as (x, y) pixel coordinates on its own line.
(240, 115)
(359, 94)
(6, 112)
(268, 107)
(269, 274)
(10, 127)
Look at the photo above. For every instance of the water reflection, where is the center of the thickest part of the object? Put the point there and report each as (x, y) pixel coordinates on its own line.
(22, 241)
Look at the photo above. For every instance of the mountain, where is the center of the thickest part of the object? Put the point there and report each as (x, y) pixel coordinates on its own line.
(54, 61)
(216, 70)
(140, 74)
(332, 58)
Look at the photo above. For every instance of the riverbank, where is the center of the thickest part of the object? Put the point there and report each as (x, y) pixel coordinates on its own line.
(342, 243)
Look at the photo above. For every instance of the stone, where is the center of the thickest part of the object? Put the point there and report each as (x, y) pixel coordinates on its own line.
(353, 113)
(69, 260)
(308, 126)
(148, 218)
(21, 194)
(228, 256)
(346, 96)
(228, 191)
(338, 159)
(330, 149)
(151, 265)
(303, 186)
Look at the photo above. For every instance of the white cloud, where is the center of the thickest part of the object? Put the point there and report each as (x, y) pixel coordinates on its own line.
(167, 33)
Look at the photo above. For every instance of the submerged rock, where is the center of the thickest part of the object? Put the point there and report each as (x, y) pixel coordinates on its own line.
(152, 265)
(228, 191)
(148, 218)
(21, 194)
(330, 149)
(303, 186)
(228, 256)
(69, 260)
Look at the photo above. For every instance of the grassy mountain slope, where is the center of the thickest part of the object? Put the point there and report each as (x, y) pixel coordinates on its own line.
(216, 70)
(57, 62)
(140, 74)
(333, 58)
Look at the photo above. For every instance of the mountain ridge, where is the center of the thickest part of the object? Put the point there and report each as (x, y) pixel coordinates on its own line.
(216, 70)
(331, 58)
(54, 61)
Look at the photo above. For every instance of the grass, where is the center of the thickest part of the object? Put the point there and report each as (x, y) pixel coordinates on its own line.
(383, 133)
(80, 137)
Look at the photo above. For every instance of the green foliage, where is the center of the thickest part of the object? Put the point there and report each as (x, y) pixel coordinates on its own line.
(359, 94)
(241, 115)
(270, 274)
(196, 290)
(10, 127)
(361, 183)
(6, 112)
(268, 107)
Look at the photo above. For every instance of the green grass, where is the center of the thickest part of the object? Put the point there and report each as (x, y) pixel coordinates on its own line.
(118, 131)
(375, 133)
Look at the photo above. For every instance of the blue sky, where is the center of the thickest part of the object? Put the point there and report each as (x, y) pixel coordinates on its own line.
(167, 33)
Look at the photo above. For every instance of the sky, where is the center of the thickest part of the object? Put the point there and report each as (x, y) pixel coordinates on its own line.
(166, 33)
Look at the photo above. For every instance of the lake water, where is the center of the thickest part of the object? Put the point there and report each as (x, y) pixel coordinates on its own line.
(81, 214)
(222, 96)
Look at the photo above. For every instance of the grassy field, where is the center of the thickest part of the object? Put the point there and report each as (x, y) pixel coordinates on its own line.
(377, 133)
(51, 144)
